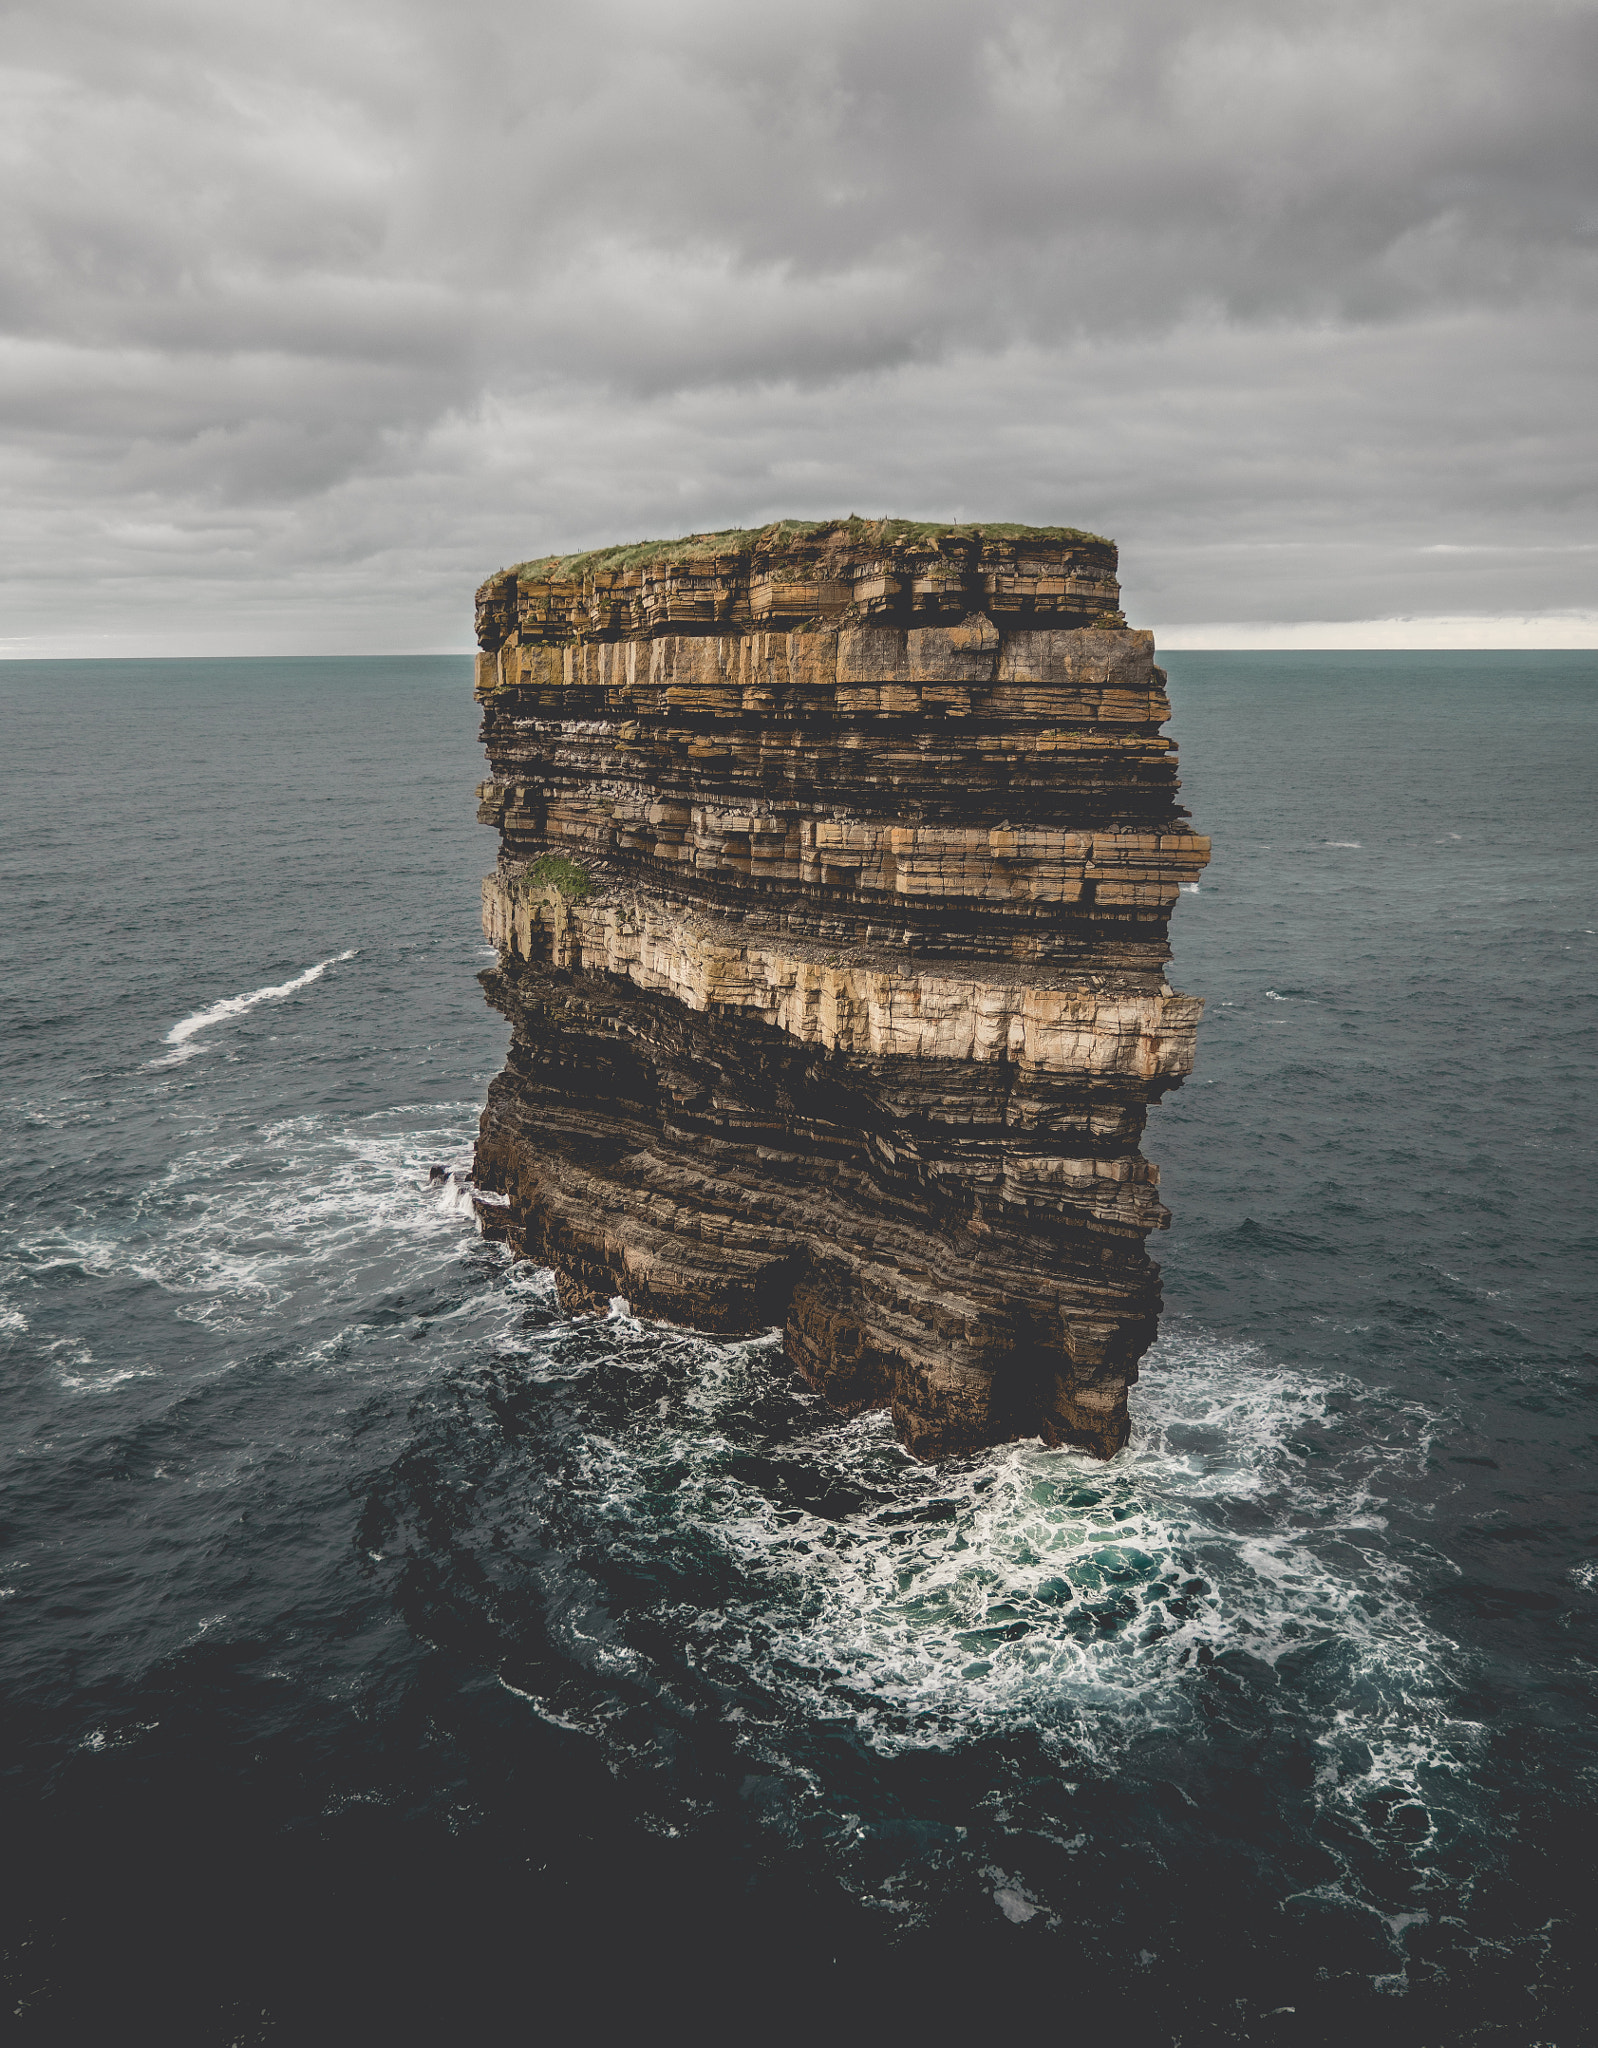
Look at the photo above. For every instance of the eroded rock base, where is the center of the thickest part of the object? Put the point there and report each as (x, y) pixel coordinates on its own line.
(727, 1179)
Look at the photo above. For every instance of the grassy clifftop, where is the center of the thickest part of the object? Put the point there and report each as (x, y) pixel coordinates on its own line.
(749, 540)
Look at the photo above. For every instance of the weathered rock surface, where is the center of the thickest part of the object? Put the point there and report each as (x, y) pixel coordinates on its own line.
(835, 869)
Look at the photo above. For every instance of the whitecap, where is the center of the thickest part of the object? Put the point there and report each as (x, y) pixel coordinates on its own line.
(543, 1712)
(234, 1006)
(1352, 844)
(103, 1382)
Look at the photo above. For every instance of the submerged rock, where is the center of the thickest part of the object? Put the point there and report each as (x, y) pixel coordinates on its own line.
(836, 863)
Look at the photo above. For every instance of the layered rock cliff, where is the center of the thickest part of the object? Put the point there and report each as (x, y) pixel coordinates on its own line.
(835, 868)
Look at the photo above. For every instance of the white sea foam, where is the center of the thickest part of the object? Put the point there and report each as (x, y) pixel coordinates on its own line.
(103, 1382)
(1016, 1905)
(182, 1034)
(1038, 1588)
(235, 1229)
(1353, 845)
(1024, 1590)
(544, 1713)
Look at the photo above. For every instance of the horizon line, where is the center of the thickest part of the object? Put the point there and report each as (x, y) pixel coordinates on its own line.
(1567, 632)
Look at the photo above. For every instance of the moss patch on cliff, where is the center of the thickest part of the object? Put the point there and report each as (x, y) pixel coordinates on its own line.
(554, 871)
(744, 540)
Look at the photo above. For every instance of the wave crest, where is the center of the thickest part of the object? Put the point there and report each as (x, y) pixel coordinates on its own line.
(183, 1032)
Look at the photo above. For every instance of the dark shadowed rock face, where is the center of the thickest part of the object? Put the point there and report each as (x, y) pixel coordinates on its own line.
(835, 869)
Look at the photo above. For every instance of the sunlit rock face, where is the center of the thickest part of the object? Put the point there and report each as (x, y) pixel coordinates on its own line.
(835, 869)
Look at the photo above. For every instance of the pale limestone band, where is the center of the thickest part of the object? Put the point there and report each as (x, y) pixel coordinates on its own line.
(1111, 671)
(882, 1008)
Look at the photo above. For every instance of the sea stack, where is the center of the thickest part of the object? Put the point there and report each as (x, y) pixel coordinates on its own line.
(836, 861)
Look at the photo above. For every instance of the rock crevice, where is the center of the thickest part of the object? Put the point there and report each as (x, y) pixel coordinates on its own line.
(835, 870)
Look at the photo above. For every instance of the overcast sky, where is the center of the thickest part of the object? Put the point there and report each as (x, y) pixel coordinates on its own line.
(311, 315)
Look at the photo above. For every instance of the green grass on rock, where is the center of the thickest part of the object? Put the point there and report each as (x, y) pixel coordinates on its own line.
(555, 871)
(740, 540)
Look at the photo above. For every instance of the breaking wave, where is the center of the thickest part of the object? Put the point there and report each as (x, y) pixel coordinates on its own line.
(183, 1033)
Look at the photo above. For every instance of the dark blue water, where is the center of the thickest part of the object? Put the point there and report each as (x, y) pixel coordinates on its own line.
(386, 1657)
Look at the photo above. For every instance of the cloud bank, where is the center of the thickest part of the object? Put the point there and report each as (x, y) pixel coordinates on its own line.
(310, 317)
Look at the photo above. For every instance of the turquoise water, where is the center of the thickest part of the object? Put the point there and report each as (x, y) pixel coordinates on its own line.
(383, 1650)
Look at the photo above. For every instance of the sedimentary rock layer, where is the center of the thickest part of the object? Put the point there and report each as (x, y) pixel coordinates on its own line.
(835, 869)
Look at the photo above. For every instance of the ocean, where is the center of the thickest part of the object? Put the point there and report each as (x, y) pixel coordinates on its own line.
(387, 1657)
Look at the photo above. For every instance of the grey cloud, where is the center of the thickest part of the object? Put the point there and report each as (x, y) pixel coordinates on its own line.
(353, 284)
